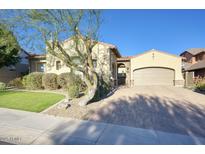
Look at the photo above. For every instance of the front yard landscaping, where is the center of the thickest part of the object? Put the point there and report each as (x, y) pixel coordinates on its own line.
(28, 101)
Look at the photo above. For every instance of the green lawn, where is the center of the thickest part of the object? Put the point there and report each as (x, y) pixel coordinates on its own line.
(28, 101)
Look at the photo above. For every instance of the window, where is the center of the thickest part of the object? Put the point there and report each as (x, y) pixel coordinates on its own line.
(94, 63)
(58, 65)
(41, 67)
(198, 57)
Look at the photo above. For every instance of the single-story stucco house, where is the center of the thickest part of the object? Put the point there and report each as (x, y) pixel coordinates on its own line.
(11, 72)
(149, 68)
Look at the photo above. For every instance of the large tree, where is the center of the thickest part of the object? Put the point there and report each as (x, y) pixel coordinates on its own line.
(54, 27)
(9, 47)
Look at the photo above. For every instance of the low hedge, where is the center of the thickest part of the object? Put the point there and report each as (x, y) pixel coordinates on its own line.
(75, 85)
(74, 90)
(63, 79)
(33, 80)
(17, 83)
(2, 86)
(199, 83)
(49, 81)
(200, 86)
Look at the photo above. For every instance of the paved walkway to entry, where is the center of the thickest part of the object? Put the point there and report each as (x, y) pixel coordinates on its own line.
(21, 127)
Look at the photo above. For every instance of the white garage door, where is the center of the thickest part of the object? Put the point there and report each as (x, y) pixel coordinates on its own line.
(153, 76)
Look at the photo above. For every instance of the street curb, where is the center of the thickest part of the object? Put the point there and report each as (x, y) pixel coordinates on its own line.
(61, 101)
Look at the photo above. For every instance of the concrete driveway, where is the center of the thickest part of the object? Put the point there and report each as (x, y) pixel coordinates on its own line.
(161, 108)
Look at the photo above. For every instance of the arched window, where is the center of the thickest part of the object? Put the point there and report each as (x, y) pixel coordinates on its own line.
(121, 68)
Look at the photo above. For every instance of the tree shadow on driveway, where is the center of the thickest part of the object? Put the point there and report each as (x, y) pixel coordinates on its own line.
(141, 111)
(153, 112)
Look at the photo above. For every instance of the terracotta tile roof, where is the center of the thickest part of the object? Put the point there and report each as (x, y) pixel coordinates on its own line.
(125, 58)
(198, 65)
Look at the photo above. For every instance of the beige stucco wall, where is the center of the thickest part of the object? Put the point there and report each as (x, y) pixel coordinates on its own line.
(51, 65)
(100, 53)
(103, 55)
(154, 58)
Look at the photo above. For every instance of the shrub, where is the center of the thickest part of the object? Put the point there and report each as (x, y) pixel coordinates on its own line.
(49, 81)
(75, 85)
(63, 79)
(2, 86)
(79, 82)
(25, 81)
(73, 90)
(199, 83)
(104, 88)
(33, 80)
(16, 83)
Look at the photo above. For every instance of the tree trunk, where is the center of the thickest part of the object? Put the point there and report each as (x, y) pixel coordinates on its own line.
(92, 88)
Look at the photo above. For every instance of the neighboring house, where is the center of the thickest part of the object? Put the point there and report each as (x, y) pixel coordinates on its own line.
(104, 59)
(193, 64)
(194, 61)
(152, 68)
(9, 73)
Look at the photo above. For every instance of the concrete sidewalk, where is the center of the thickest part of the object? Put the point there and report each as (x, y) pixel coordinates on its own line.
(21, 127)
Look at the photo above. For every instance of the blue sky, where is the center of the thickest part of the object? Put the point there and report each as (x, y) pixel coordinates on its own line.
(135, 31)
